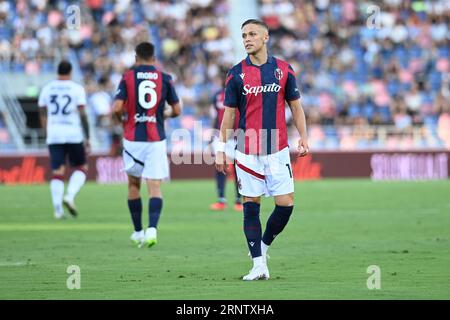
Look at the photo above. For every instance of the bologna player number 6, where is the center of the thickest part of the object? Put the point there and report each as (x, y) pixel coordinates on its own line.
(147, 87)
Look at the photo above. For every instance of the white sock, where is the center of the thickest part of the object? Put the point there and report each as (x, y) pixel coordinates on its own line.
(76, 181)
(57, 190)
(264, 248)
(257, 261)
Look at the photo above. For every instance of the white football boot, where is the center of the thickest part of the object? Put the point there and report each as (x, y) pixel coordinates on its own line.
(59, 215)
(137, 237)
(70, 205)
(258, 272)
(150, 237)
(265, 257)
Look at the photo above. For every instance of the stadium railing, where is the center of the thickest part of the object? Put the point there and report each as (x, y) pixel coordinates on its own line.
(371, 137)
(14, 116)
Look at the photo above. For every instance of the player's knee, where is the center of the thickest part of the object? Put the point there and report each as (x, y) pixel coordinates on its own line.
(155, 193)
(59, 171)
(286, 203)
(133, 191)
(134, 185)
(82, 168)
(252, 199)
(133, 194)
(154, 188)
(286, 200)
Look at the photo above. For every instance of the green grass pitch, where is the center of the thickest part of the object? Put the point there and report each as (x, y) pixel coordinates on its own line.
(339, 228)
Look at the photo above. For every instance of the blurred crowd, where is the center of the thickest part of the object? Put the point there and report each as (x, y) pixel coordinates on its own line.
(191, 37)
(357, 65)
(360, 64)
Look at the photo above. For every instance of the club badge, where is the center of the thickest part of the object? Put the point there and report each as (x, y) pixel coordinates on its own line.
(278, 74)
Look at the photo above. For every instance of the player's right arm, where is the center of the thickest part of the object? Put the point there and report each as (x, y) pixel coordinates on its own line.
(84, 119)
(85, 126)
(176, 110)
(42, 104)
(43, 118)
(292, 96)
(172, 97)
(119, 102)
(300, 123)
(226, 128)
(117, 113)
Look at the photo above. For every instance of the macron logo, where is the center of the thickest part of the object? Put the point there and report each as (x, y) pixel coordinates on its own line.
(252, 243)
(242, 75)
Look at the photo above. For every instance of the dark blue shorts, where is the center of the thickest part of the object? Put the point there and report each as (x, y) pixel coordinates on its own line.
(59, 153)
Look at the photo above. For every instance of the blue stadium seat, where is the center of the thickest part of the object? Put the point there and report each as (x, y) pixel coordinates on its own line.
(369, 110)
(17, 67)
(47, 66)
(385, 113)
(354, 111)
(434, 78)
(443, 51)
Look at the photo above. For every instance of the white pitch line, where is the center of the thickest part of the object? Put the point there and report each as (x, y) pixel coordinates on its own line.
(13, 264)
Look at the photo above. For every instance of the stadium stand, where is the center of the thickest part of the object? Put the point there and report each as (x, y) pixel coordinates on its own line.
(390, 83)
(386, 87)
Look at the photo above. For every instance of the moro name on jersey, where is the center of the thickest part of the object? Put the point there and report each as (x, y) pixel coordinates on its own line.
(147, 75)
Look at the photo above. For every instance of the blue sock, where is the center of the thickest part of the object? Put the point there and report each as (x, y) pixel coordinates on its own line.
(276, 223)
(252, 228)
(221, 180)
(135, 207)
(154, 211)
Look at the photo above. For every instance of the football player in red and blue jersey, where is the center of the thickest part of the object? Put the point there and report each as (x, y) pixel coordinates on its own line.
(218, 110)
(140, 104)
(259, 87)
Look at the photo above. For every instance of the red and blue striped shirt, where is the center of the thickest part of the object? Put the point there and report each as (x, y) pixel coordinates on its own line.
(260, 94)
(145, 91)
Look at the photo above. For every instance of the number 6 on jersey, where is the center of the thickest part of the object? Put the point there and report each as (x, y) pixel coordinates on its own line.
(145, 88)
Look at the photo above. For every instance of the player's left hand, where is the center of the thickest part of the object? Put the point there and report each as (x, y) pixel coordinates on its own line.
(168, 112)
(221, 166)
(87, 146)
(303, 147)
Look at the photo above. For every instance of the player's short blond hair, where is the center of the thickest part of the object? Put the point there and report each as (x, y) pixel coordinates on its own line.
(257, 22)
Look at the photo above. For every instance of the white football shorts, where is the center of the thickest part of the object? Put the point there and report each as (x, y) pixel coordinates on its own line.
(270, 175)
(146, 159)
